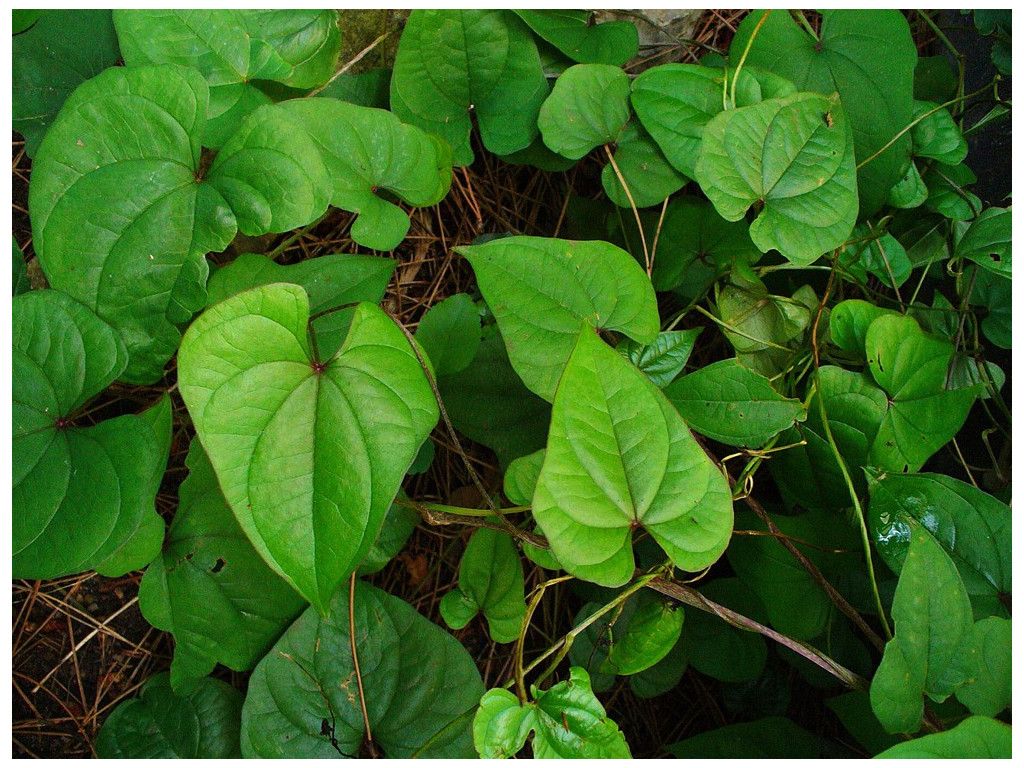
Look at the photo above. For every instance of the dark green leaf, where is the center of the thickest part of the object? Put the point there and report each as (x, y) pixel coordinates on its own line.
(995, 294)
(771, 737)
(988, 688)
(369, 89)
(853, 709)
(988, 241)
(934, 79)
(947, 193)
(877, 253)
(449, 332)
(613, 42)
(19, 281)
(398, 526)
(663, 358)
(718, 649)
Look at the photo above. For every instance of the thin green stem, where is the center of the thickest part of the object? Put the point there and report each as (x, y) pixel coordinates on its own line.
(636, 213)
(519, 672)
(737, 331)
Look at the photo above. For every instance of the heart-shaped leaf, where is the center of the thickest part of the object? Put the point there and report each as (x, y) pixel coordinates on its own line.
(450, 333)
(807, 182)
(83, 496)
(567, 721)
(209, 570)
(419, 684)
(541, 288)
(662, 359)
(588, 107)
(877, 253)
(490, 581)
(231, 48)
(648, 176)
(734, 405)
(451, 63)
(976, 737)
(60, 51)
(988, 241)
(868, 56)
(988, 689)
(947, 193)
(309, 453)
(652, 631)
(936, 135)
(162, 724)
(619, 457)
(849, 323)
(571, 32)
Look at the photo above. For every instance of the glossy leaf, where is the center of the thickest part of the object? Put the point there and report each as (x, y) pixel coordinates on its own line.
(868, 56)
(664, 358)
(231, 48)
(807, 182)
(309, 453)
(491, 582)
(770, 737)
(613, 42)
(83, 496)
(620, 457)
(587, 108)
(567, 721)
(163, 724)
(418, 683)
(209, 570)
(932, 619)
(451, 63)
(734, 405)
(988, 241)
(449, 332)
(988, 688)
(330, 281)
(541, 288)
(970, 525)
(57, 53)
(974, 738)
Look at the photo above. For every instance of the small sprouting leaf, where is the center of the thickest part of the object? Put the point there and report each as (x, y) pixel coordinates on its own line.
(770, 737)
(988, 241)
(491, 582)
(808, 184)
(450, 333)
(573, 122)
(208, 568)
(932, 619)
(567, 721)
(451, 63)
(60, 51)
(620, 457)
(541, 288)
(972, 526)
(418, 682)
(309, 452)
(868, 56)
(330, 281)
(662, 359)
(83, 497)
(162, 724)
(734, 405)
(988, 688)
(974, 738)
(613, 42)
(937, 136)
(231, 48)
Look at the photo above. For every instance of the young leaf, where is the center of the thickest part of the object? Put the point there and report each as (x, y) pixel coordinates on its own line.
(567, 721)
(770, 737)
(974, 738)
(82, 495)
(541, 288)
(613, 42)
(162, 724)
(868, 56)
(932, 620)
(451, 63)
(664, 358)
(309, 452)
(450, 333)
(734, 405)
(209, 569)
(490, 581)
(988, 688)
(988, 241)
(807, 184)
(970, 525)
(57, 53)
(418, 682)
(620, 457)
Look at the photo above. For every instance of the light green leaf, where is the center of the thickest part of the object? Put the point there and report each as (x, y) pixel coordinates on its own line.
(970, 525)
(932, 619)
(330, 281)
(988, 241)
(59, 52)
(649, 177)
(451, 63)
(231, 48)
(663, 358)
(309, 453)
(210, 588)
(521, 477)
(734, 405)
(974, 738)
(501, 726)
(587, 108)
(620, 457)
(770, 737)
(161, 724)
(417, 679)
(82, 496)
(450, 333)
(937, 136)
(491, 582)
(663, 676)
(541, 288)
(988, 689)
(613, 42)
(910, 191)
(848, 324)
(868, 56)
(653, 630)
(796, 159)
